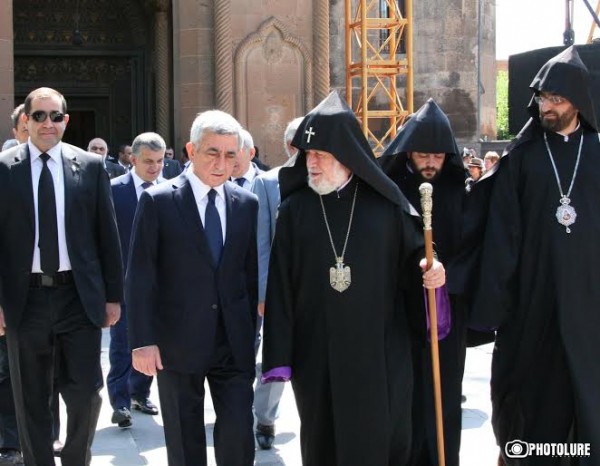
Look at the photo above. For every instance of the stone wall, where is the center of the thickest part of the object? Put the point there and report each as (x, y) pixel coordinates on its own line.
(6, 70)
(274, 66)
(449, 44)
(265, 61)
(452, 42)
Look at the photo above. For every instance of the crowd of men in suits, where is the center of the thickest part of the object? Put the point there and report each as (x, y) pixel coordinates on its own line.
(54, 315)
(178, 269)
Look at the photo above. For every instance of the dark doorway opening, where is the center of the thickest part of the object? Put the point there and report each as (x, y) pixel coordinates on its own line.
(81, 128)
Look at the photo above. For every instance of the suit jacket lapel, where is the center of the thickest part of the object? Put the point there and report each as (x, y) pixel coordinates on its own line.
(72, 175)
(186, 203)
(132, 199)
(230, 205)
(22, 176)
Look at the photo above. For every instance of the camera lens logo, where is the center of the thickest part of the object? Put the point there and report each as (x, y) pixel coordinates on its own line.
(516, 449)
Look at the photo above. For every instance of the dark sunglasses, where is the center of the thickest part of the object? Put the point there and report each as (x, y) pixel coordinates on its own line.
(40, 116)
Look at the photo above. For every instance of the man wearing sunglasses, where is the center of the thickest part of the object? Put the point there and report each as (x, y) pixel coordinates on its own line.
(60, 278)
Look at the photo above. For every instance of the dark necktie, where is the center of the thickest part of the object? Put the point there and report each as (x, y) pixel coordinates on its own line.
(146, 185)
(240, 181)
(48, 231)
(212, 227)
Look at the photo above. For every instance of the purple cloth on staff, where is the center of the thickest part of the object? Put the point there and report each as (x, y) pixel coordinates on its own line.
(278, 374)
(444, 314)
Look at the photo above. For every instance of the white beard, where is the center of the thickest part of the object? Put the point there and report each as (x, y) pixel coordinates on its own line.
(324, 186)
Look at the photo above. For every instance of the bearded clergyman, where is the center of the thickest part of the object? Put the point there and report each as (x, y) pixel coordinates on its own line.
(347, 247)
(539, 281)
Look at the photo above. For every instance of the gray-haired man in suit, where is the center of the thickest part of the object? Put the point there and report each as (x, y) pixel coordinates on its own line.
(191, 294)
(266, 187)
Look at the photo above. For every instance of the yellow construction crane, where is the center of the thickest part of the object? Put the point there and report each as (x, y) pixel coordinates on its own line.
(378, 56)
(594, 25)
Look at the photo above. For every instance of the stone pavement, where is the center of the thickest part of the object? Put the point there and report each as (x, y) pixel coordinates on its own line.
(143, 443)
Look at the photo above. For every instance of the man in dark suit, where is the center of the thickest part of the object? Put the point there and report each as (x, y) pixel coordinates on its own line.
(99, 146)
(10, 449)
(125, 385)
(123, 159)
(171, 169)
(191, 294)
(61, 279)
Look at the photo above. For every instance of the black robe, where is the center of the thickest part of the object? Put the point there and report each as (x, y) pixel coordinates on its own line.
(429, 131)
(541, 286)
(349, 352)
(448, 199)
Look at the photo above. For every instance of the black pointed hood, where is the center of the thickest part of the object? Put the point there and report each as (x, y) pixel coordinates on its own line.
(566, 75)
(332, 127)
(429, 131)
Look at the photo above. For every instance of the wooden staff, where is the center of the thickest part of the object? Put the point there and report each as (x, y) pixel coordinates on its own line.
(426, 191)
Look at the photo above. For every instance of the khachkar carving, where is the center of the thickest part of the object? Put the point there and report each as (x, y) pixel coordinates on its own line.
(91, 70)
(162, 51)
(321, 48)
(273, 84)
(274, 41)
(223, 65)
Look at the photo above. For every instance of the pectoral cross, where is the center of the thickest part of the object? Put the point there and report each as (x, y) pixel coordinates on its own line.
(310, 133)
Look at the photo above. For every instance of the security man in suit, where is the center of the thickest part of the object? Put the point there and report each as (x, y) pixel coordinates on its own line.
(126, 386)
(61, 279)
(191, 293)
(171, 168)
(99, 146)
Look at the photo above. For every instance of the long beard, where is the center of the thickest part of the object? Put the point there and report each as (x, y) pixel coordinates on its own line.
(559, 123)
(323, 187)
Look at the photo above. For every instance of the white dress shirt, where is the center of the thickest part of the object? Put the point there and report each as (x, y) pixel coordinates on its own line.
(248, 176)
(55, 166)
(200, 191)
(137, 181)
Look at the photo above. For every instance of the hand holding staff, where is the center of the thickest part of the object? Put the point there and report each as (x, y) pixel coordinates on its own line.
(426, 191)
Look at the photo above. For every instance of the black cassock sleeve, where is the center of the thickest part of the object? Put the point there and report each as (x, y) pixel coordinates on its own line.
(501, 248)
(278, 324)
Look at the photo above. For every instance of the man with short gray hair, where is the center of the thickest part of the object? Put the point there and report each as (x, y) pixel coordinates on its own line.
(126, 386)
(99, 146)
(191, 297)
(266, 188)
(245, 170)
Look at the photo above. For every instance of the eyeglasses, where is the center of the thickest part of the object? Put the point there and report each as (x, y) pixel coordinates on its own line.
(41, 115)
(554, 99)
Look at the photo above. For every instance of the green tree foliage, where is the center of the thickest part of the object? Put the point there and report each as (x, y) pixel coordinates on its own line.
(502, 106)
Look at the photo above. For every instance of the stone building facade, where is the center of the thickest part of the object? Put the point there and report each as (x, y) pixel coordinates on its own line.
(127, 66)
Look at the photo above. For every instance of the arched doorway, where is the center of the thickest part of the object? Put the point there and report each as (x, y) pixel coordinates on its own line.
(99, 54)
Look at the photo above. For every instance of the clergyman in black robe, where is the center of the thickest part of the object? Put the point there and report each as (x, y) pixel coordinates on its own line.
(540, 280)
(424, 150)
(346, 349)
